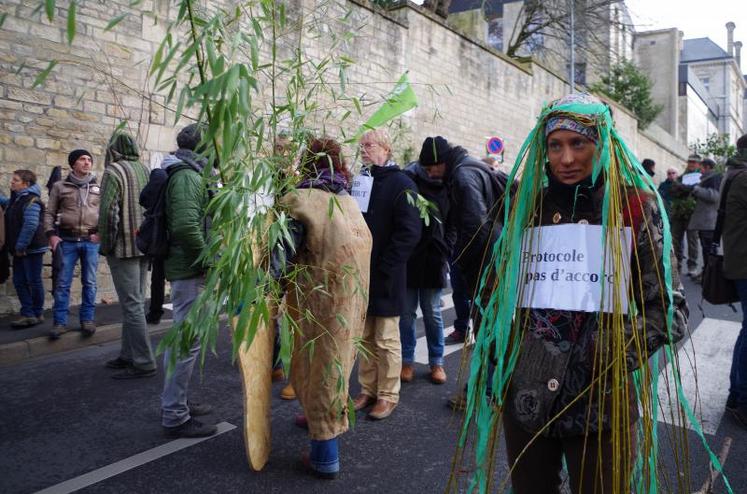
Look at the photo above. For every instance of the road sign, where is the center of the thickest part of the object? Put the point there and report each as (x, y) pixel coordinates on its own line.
(494, 145)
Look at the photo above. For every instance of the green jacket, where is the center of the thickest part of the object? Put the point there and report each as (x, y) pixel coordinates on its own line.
(186, 202)
(734, 235)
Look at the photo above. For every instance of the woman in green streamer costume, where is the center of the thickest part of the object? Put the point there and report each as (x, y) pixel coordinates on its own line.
(564, 382)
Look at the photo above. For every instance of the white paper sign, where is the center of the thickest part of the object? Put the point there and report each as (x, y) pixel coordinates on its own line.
(562, 269)
(691, 178)
(361, 192)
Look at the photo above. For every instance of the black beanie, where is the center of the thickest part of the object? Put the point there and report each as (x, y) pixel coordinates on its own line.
(434, 151)
(189, 137)
(73, 156)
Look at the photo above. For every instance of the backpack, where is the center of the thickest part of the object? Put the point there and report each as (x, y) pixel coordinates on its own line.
(152, 237)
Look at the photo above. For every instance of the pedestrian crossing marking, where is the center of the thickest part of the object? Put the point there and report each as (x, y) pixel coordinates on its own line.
(705, 377)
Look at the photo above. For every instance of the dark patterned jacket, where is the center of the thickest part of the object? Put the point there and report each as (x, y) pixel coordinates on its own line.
(557, 357)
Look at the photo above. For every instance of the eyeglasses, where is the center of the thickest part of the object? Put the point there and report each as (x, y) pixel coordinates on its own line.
(369, 145)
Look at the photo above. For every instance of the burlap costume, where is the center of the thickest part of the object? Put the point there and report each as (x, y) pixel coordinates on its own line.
(331, 286)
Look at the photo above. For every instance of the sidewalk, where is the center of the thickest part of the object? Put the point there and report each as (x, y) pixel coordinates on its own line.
(18, 345)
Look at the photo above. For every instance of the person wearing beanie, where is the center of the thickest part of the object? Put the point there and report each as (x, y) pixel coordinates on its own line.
(648, 164)
(186, 199)
(71, 225)
(682, 207)
(734, 243)
(474, 193)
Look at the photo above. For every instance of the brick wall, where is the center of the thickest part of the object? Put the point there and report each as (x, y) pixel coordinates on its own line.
(467, 91)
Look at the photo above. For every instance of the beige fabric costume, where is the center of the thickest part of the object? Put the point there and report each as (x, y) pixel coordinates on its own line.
(332, 286)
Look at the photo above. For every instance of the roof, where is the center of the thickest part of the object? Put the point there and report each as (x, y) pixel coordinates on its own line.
(493, 8)
(698, 49)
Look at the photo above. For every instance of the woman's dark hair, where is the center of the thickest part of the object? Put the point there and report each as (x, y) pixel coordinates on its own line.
(322, 153)
(26, 176)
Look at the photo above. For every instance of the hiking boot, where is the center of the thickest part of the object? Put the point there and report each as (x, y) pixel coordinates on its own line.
(88, 328)
(196, 409)
(25, 322)
(134, 373)
(278, 374)
(455, 337)
(407, 373)
(153, 318)
(190, 428)
(57, 331)
(118, 363)
(363, 401)
(288, 393)
(458, 402)
(382, 409)
(438, 374)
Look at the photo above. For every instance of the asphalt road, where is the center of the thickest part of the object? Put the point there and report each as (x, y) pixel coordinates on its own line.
(63, 417)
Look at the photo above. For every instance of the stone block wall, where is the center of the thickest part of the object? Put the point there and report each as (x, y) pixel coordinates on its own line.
(467, 90)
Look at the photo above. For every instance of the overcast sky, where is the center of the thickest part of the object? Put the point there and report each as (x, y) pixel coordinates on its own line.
(696, 18)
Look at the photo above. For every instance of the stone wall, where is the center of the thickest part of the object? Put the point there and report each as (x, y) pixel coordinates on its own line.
(467, 90)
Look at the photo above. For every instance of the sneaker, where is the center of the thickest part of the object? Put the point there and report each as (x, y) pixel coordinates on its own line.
(134, 373)
(288, 393)
(381, 410)
(455, 337)
(693, 273)
(25, 322)
(306, 462)
(407, 373)
(196, 409)
(88, 328)
(57, 331)
(438, 374)
(118, 363)
(190, 428)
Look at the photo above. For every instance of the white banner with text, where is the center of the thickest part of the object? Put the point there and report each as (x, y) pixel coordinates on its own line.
(562, 268)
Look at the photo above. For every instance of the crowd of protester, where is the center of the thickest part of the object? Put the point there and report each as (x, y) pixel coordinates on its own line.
(405, 259)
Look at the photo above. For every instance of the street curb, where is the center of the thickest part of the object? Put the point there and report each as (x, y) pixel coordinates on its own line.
(32, 348)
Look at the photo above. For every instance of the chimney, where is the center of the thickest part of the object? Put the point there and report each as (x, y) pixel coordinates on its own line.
(738, 53)
(730, 38)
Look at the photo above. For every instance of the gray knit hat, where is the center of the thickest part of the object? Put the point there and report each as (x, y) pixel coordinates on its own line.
(189, 137)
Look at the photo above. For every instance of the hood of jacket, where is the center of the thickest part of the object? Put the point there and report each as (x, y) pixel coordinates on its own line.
(418, 172)
(184, 156)
(33, 189)
(736, 163)
(122, 147)
(456, 155)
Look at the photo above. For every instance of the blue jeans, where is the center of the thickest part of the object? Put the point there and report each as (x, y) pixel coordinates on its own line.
(738, 374)
(88, 253)
(174, 408)
(461, 298)
(430, 303)
(27, 279)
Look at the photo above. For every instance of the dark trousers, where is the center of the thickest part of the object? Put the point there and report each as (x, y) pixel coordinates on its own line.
(27, 280)
(706, 239)
(157, 288)
(538, 470)
(461, 297)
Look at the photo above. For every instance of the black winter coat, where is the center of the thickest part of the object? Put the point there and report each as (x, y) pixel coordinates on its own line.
(428, 263)
(395, 228)
(474, 207)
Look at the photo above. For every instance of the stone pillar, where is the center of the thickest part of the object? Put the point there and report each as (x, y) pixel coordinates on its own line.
(738, 53)
(730, 38)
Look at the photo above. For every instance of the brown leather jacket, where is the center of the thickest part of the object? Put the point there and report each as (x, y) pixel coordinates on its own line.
(72, 211)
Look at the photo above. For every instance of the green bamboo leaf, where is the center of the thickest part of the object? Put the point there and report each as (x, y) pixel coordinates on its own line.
(156, 63)
(20, 68)
(115, 21)
(49, 8)
(3, 16)
(44, 74)
(71, 22)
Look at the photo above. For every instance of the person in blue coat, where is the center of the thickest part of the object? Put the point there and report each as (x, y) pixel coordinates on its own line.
(27, 244)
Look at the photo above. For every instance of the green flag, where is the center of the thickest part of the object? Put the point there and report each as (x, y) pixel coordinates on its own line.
(401, 99)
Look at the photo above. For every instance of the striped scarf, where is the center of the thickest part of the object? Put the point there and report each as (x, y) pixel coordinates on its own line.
(120, 214)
